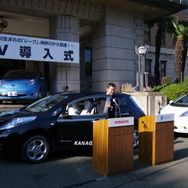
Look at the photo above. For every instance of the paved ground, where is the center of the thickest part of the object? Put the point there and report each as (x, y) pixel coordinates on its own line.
(69, 171)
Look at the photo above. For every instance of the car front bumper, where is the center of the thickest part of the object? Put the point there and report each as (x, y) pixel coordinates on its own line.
(9, 141)
(181, 125)
(182, 129)
(19, 95)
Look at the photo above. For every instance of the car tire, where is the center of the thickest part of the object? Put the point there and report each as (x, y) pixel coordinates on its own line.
(35, 149)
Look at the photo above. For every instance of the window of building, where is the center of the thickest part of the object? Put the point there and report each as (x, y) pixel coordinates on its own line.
(146, 33)
(88, 61)
(148, 65)
(163, 68)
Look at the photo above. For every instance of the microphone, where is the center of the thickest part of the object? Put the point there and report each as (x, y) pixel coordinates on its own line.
(114, 100)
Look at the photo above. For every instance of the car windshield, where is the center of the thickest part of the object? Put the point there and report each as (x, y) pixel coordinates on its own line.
(48, 102)
(20, 74)
(181, 101)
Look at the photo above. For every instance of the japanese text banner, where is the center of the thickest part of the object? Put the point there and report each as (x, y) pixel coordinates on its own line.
(38, 49)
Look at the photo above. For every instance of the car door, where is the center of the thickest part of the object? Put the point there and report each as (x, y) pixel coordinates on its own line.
(75, 127)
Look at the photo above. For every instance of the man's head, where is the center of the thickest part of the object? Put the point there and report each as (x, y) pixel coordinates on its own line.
(110, 89)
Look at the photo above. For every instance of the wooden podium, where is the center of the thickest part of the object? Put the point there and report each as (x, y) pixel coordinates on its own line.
(113, 145)
(156, 139)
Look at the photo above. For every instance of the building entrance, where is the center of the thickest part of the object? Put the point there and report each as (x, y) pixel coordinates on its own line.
(7, 65)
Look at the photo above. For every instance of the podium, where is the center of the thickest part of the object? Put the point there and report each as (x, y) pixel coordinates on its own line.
(156, 139)
(113, 145)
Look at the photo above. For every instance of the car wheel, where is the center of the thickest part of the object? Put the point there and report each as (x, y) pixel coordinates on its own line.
(35, 149)
(136, 139)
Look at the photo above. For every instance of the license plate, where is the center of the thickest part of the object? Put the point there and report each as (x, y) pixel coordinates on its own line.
(12, 93)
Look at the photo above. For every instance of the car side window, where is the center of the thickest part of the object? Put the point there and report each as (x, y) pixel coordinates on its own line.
(78, 108)
(183, 100)
(93, 105)
(121, 101)
(75, 108)
(87, 104)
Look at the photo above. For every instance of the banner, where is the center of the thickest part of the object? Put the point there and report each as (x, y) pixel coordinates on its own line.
(38, 49)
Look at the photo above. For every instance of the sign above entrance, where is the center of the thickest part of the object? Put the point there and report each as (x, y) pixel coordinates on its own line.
(38, 49)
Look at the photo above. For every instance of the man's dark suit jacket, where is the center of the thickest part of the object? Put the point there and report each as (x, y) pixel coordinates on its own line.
(99, 106)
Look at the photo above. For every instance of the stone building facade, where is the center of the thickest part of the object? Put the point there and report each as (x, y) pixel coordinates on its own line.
(106, 31)
(167, 55)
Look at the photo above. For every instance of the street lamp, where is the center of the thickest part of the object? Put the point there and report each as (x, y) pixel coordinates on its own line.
(141, 76)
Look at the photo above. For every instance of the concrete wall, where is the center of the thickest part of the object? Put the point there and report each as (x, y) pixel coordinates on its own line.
(149, 102)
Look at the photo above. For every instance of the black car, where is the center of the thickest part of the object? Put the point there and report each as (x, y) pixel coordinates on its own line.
(57, 121)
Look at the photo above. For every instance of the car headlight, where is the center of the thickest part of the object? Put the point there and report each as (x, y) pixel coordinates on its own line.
(17, 121)
(184, 114)
(31, 82)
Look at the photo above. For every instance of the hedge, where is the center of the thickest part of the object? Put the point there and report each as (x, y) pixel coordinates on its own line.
(174, 90)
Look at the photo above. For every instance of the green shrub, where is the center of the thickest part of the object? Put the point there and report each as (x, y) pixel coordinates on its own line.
(158, 88)
(165, 80)
(172, 91)
(186, 79)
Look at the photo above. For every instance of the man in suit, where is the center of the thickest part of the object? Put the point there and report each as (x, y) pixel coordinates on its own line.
(106, 105)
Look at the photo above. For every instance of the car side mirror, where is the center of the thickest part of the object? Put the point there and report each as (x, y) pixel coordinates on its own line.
(65, 113)
(171, 101)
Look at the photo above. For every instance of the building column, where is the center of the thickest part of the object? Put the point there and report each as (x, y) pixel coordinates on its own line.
(66, 28)
(113, 48)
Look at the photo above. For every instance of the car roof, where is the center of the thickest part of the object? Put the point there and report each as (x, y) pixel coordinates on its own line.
(21, 74)
(77, 94)
(27, 70)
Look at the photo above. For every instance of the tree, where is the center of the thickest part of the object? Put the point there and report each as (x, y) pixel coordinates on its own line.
(163, 24)
(180, 32)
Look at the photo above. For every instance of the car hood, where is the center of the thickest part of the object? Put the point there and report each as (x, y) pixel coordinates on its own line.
(9, 115)
(13, 84)
(176, 110)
